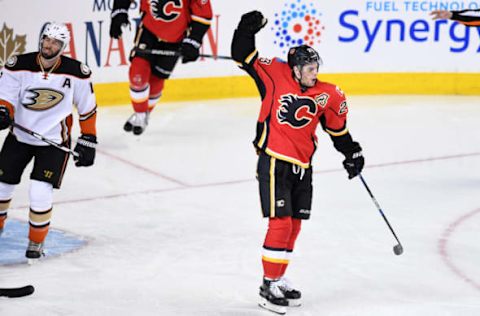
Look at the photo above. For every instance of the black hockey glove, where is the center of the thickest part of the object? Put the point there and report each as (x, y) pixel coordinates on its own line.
(86, 150)
(354, 161)
(190, 49)
(5, 119)
(119, 17)
(252, 22)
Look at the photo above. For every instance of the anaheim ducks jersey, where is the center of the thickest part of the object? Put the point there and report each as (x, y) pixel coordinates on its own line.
(467, 17)
(169, 19)
(42, 101)
(289, 117)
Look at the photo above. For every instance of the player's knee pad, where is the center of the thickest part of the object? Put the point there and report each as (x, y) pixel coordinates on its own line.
(6, 191)
(279, 232)
(41, 195)
(139, 73)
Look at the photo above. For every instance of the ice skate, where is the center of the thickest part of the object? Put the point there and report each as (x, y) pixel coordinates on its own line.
(293, 296)
(272, 297)
(34, 252)
(137, 123)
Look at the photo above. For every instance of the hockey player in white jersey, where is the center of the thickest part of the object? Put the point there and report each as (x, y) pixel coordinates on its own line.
(38, 91)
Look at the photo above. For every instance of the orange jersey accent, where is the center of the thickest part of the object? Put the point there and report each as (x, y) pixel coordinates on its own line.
(289, 117)
(9, 106)
(169, 19)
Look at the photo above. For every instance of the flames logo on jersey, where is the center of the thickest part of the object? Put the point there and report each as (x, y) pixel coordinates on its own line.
(42, 99)
(166, 10)
(296, 111)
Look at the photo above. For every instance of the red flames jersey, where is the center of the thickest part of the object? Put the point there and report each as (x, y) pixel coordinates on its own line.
(289, 117)
(169, 19)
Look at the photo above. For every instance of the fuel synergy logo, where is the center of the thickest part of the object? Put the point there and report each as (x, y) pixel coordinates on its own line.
(297, 23)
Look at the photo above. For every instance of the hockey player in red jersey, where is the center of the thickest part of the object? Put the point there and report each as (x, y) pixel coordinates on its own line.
(168, 25)
(466, 17)
(294, 103)
(37, 92)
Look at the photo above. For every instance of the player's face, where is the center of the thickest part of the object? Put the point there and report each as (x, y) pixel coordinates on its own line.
(50, 47)
(309, 74)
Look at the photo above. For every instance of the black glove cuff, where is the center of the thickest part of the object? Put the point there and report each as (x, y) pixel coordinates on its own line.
(193, 42)
(346, 145)
(354, 151)
(197, 31)
(87, 141)
(118, 11)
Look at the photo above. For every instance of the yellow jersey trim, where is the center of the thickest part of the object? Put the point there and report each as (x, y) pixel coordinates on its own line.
(199, 19)
(343, 132)
(287, 158)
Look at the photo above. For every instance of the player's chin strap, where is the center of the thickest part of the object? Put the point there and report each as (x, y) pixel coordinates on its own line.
(162, 52)
(46, 140)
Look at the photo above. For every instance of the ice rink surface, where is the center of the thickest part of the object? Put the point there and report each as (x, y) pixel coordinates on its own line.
(173, 226)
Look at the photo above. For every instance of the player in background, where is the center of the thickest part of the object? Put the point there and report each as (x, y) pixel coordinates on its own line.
(294, 103)
(37, 91)
(172, 25)
(466, 17)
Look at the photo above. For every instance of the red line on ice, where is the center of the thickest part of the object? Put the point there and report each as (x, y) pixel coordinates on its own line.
(443, 245)
(185, 186)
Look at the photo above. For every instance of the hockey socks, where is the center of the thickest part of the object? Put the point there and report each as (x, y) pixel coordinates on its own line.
(278, 245)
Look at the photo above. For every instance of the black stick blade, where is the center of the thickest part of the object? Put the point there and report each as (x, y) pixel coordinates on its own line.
(398, 249)
(17, 291)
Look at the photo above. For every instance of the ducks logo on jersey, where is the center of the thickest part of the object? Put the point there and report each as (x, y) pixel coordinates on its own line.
(42, 99)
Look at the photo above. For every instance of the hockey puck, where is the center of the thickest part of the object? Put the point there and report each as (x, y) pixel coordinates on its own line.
(398, 250)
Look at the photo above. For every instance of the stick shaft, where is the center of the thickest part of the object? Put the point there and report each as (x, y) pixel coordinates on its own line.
(378, 207)
(163, 52)
(46, 140)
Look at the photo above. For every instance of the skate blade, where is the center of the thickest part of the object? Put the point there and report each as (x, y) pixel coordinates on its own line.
(294, 302)
(32, 261)
(281, 310)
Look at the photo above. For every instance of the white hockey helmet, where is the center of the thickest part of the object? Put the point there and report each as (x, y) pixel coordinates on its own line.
(57, 31)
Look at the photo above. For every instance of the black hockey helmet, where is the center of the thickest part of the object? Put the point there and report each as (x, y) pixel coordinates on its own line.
(303, 55)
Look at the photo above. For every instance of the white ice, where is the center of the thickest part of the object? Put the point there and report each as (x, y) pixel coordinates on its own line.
(173, 218)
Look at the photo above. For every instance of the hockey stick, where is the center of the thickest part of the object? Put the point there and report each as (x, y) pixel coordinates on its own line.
(17, 291)
(46, 140)
(162, 52)
(397, 249)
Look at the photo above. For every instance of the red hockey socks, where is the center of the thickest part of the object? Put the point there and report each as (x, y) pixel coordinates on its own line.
(274, 251)
(156, 88)
(296, 226)
(139, 76)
